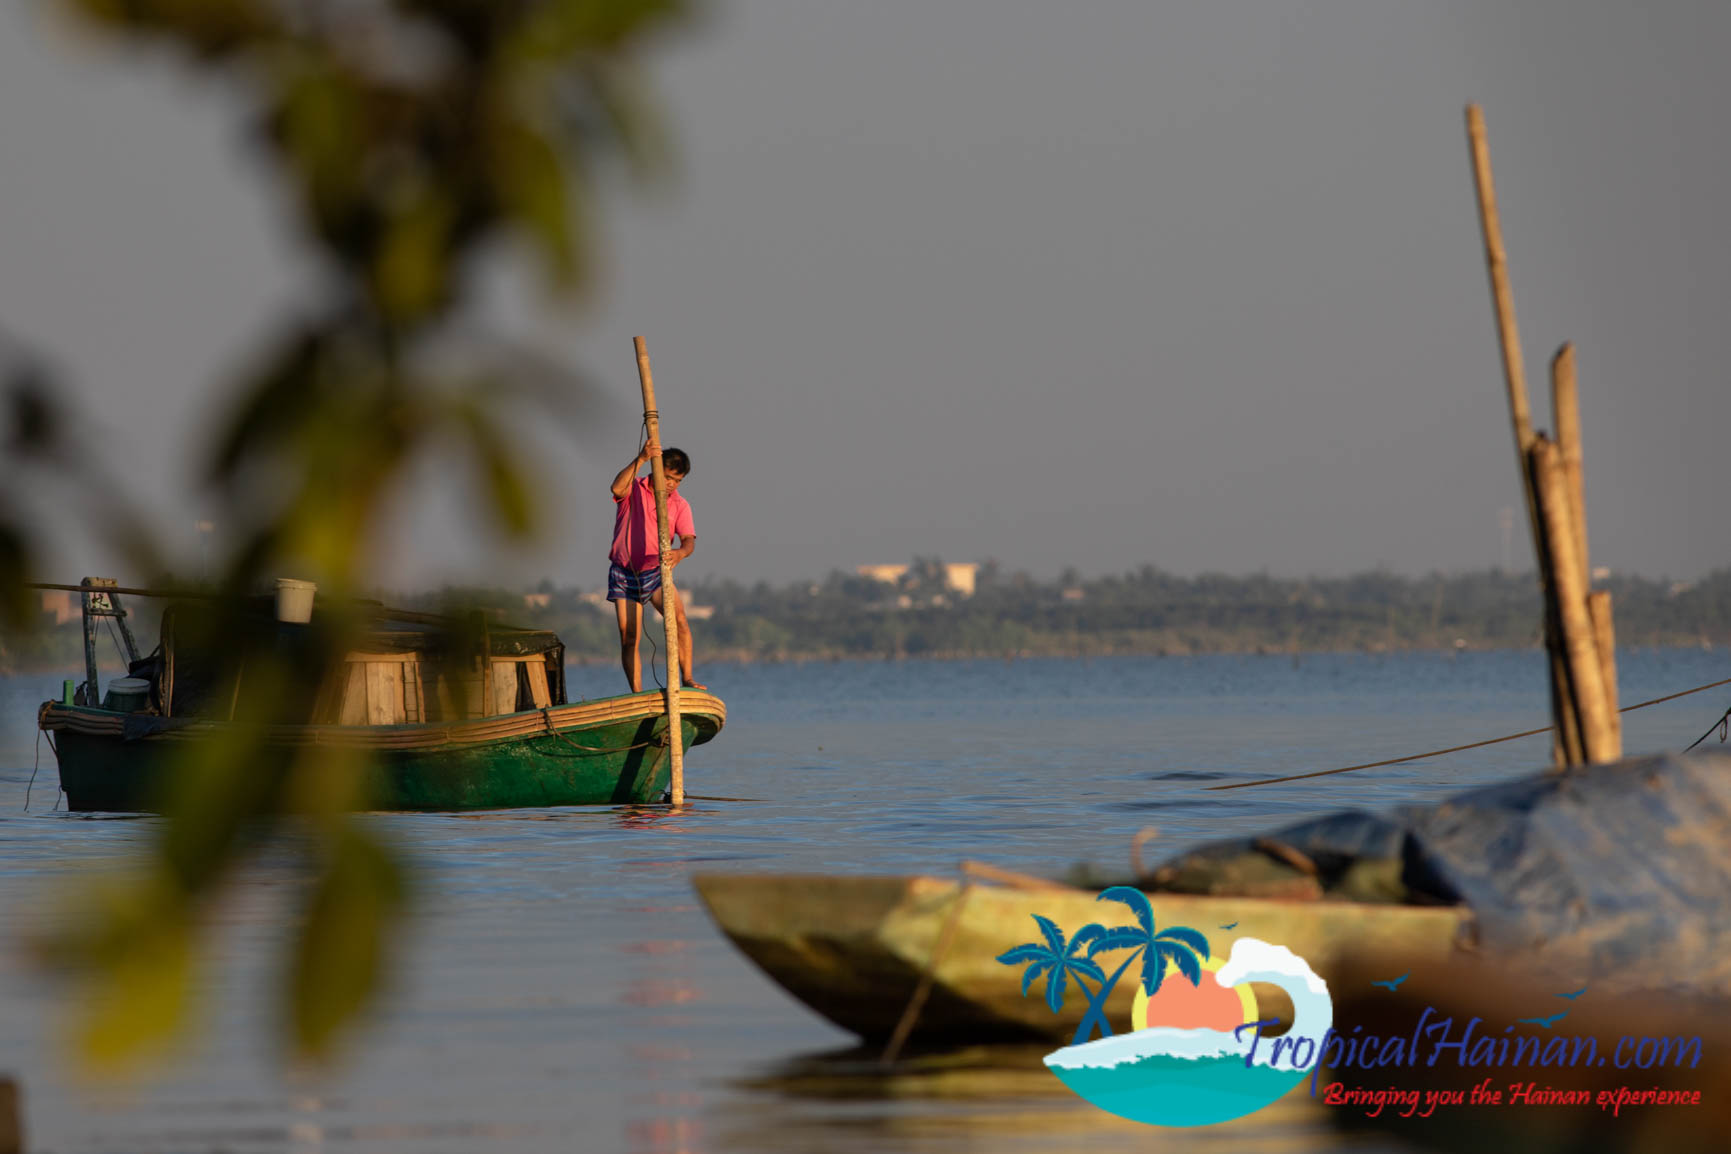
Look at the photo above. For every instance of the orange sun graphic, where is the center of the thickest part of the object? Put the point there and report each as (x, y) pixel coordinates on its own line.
(1206, 1005)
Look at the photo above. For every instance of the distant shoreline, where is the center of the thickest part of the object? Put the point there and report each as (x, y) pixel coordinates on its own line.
(747, 657)
(738, 657)
(921, 612)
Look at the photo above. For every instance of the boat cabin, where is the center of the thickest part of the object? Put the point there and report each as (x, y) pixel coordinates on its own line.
(406, 669)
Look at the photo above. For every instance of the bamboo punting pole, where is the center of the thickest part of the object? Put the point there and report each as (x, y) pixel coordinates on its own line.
(174, 593)
(669, 597)
(1515, 375)
(1586, 685)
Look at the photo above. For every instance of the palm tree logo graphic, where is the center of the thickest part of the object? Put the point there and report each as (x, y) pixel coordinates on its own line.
(1186, 1059)
(1179, 947)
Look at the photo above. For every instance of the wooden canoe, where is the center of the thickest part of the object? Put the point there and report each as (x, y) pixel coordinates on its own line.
(855, 948)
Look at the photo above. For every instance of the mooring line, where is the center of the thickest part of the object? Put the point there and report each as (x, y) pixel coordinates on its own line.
(1456, 748)
(37, 768)
(1723, 725)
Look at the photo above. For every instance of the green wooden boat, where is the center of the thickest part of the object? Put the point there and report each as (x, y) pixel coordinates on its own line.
(491, 729)
(612, 750)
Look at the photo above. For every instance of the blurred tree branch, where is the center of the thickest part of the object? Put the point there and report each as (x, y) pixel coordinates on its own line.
(413, 137)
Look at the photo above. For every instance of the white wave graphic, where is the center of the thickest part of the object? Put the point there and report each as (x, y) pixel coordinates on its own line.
(1252, 960)
(1155, 1041)
(1258, 961)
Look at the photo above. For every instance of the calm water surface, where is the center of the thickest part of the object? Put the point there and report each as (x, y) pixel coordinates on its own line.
(564, 991)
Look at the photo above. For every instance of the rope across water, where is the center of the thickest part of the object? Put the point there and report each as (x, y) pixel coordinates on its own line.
(1459, 748)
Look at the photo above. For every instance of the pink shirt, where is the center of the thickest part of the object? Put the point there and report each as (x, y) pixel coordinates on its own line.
(634, 538)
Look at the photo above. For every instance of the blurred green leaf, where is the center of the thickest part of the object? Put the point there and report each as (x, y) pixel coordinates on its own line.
(533, 185)
(36, 424)
(560, 29)
(411, 275)
(210, 28)
(318, 123)
(329, 780)
(511, 498)
(343, 950)
(509, 377)
(139, 958)
(17, 601)
(224, 784)
(271, 406)
(632, 119)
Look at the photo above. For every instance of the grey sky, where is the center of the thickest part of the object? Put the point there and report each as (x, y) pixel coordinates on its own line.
(1098, 285)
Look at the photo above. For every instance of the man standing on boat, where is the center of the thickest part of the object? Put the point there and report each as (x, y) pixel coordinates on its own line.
(634, 575)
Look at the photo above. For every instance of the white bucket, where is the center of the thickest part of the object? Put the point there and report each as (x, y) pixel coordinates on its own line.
(294, 600)
(127, 694)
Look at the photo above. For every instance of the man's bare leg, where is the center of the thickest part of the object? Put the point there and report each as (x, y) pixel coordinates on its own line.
(630, 615)
(684, 635)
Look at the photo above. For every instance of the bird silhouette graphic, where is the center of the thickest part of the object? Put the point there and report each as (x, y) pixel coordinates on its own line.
(1545, 1022)
(1393, 983)
(1230, 926)
(1574, 995)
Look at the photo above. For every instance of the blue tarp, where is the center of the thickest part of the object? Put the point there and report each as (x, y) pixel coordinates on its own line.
(1615, 873)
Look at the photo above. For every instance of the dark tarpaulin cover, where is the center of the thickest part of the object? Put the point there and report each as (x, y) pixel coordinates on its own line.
(1615, 873)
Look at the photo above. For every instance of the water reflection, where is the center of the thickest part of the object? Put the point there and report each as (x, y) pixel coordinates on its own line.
(996, 1098)
(664, 1136)
(658, 1058)
(661, 818)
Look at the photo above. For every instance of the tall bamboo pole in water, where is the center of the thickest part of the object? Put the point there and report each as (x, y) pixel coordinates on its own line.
(1565, 749)
(1566, 404)
(1581, 652)
(669, 597)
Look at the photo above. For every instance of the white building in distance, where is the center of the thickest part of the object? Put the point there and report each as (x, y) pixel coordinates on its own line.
(959, 578)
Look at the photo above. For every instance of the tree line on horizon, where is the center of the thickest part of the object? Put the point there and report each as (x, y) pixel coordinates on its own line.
(1149, 611)
(1144, 611)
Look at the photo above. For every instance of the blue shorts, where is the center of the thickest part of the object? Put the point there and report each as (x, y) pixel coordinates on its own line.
(626, 585)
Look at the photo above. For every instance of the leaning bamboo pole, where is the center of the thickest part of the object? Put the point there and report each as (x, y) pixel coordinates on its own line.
(1564, 748)
(1502, 297)
(669, 596)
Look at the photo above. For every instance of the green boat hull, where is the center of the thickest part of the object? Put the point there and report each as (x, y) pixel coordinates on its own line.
(614, 751)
